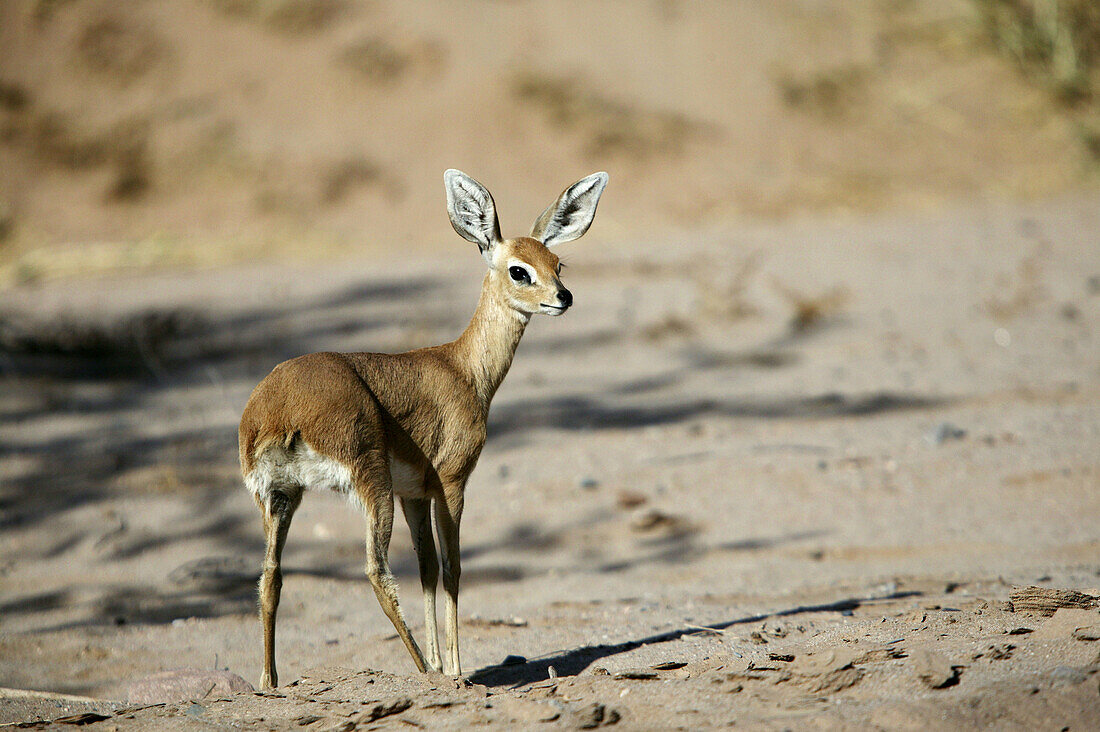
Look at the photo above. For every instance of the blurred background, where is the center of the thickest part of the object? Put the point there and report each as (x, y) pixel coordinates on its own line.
(834, 335)
(182, 134)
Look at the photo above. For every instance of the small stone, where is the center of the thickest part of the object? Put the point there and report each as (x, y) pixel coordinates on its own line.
(634, 675)
(829, 671)
(336, 725)
(513, 660)
(187, 683)
(588, 483)
(595, 715)
(1046, 601)
(657, 521)
(1087, 633)
(944, 432)
(1068, 676)
(82, 718)
(630, 499)
(934, 669)
(384, 709)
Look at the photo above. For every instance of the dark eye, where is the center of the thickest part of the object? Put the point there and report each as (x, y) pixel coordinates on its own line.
(519, 274)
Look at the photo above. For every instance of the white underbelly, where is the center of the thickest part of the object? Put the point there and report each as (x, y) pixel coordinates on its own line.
(302, 468)
(306, 468)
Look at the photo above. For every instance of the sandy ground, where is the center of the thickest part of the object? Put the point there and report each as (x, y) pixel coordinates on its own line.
(828, 396)
(784, 475)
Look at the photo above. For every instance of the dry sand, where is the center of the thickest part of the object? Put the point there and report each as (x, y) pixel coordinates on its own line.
(828, 396)
(808, 493)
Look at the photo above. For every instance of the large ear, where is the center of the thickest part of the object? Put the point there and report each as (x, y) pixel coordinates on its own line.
(571, 215)
(472, 211)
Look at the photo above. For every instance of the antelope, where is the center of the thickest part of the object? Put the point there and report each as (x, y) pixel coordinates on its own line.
(372, 426)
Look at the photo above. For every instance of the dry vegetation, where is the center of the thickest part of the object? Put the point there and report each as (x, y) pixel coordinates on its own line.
(608, 127)
(60, 142)
(1019, 292)
(811, 310)
(294, 115)
(120, 50)
(832, 93)
(381, 61)
(1057, 42)
(343, 177)
(286, 16)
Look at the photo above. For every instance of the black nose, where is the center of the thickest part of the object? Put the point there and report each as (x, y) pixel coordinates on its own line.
(565, 297)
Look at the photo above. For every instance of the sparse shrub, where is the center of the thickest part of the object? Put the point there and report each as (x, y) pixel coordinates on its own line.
(133, 170)
(376, 60)
(14, 97)
(56, 140)
(1019, 292)
(608, 126)
(723, 291)
(7, 221)
(1090, 138)
(381, 61)
(287, 16)
(43, 10)
(830, 93)
(118, 49)
(342, 177)
(810, 311)
(1054, 41)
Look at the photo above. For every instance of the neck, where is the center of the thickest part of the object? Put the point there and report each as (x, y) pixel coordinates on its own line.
(485, 349)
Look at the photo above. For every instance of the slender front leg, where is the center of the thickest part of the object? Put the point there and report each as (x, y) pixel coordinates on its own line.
(278, 511)
(418, 514)
(448, 516)
(379, 504)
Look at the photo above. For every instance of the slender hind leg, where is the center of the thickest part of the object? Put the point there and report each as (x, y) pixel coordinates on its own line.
(448, 515)
(418, 514)
(278, 510)
(378, 501)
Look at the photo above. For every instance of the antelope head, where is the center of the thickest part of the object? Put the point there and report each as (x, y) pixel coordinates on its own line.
(524, 271)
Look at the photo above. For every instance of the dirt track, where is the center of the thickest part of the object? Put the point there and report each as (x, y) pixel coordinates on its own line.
(814, 484)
